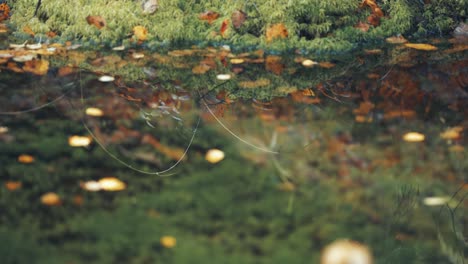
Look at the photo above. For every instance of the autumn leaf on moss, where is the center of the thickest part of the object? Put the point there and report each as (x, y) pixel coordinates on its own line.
(276, 31)
(28, 31)
(140, 32)
(97, 21)
(224, 27)
(209, 16)
(238, 18)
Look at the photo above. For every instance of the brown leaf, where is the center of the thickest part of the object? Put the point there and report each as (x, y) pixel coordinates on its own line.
(4, 11)
(276, 31)
(373, 20)
(209, 16)
(97, 21)
(238, 18)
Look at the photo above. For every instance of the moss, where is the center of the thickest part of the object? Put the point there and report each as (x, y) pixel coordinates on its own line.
(307, 21)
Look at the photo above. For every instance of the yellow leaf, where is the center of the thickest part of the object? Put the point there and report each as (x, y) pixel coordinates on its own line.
(140, 32)
(420, 46)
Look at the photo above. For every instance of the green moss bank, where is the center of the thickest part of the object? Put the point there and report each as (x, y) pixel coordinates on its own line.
(311, 24)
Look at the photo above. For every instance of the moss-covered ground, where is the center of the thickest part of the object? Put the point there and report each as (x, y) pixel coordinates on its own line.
(319, 26)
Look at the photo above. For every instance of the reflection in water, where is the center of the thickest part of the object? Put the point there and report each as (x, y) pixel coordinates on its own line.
(273, 163)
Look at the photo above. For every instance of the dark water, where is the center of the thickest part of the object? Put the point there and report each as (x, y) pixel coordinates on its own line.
(311, 155)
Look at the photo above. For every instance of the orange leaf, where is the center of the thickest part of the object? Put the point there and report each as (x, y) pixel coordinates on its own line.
(97, 21)
(28, 30)
(364, 27)
(38, 67)
(224, 27)
(140, 32)
(209, 16)
(276, 31)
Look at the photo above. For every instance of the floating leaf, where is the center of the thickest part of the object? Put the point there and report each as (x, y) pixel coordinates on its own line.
(26, 159)
(413, 137)
(274, 64)
(238, 18)
(13, 185)
(223, 77)
(93, 111)
(91, 186)
(97, 21)
(237, 61)
(346, 251)
(214, 155)
(326, 64)
(168, 241)
(106, 78)
(209, 16)
(276, 31)
(51, 199)
(201, 69)
(140, 32)
(79, 141)
(308, 63)
(112, 184)
(452, 133)
(38, 67)
(421, 46)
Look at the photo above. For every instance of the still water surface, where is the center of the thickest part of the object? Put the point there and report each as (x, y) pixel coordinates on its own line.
(210, 155)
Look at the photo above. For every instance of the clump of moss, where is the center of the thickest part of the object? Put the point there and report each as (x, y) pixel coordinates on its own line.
(308, 22)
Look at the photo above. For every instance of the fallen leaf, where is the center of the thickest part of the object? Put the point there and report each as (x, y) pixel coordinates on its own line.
(214, 155)
(140, 32)
(50, 199)
(421, 46)
(4, 11)
(364, 27)
(97, 21)
(38, 67)
(200, 69)
(112, 184)
(26, 159)
(168, 241)
(452, 133)
(326, 64)
(276, 31)
(13, 185)
(238, 18)
(224, 27)
(274, 64)
(79, 141)
(413, 137)
(209, 16)
(29, 31)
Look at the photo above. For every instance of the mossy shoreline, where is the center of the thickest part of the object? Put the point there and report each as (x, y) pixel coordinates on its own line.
(312, 25)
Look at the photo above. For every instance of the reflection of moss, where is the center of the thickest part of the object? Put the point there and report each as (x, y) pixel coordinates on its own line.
(308, 22)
